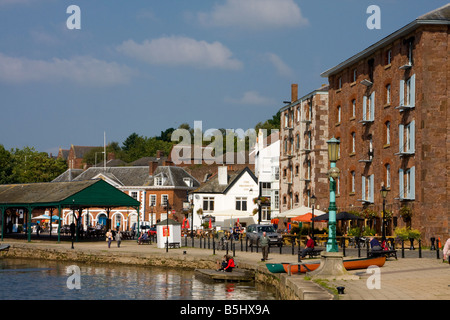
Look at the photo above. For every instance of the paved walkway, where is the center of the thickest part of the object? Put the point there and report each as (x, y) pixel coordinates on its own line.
(405, 278)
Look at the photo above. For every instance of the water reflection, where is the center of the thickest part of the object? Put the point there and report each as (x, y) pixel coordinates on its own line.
(22, 279)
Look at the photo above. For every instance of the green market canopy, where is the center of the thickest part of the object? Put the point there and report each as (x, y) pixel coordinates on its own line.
(80, 194)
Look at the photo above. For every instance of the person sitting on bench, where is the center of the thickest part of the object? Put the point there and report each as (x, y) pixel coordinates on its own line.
(309, 246)
(375, 244)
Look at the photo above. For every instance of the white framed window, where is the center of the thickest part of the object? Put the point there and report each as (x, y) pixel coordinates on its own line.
(354, 108)
(353, 142)
(134, 195)
(369, 108)
(367, 188)
(407, 93)
(388, 176)
(208, 203)
(388, 94)
(355, 75)
(265, 213)
(388, 133)
(241, 203)
(407, 184)
(276, 199)
(339, 114)
(159, 181)
(353, 176)
(407, 138)
(266, 189)
(153, 200)
(164, 200)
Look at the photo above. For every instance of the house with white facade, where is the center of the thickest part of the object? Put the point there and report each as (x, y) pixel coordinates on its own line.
(227, 197)
(267, 170)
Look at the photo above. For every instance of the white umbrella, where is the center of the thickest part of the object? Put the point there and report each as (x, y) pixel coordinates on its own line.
(298, 212)
(41, 217)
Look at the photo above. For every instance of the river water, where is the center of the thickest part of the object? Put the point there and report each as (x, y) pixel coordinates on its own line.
(24, 279)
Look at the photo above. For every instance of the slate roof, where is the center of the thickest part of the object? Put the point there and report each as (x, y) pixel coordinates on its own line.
(213, 186)
(36, 193)
(135, 176)
(68, 175)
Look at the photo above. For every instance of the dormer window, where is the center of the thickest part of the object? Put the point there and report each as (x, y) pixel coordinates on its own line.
(188, 182)
(160, 180)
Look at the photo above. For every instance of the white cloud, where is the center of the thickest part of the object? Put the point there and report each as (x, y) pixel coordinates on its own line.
(251, 98)
(282, 68)
(80, 70)
(255, 14)
(177, 51)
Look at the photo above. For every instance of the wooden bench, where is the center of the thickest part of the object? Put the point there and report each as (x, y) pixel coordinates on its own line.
(386, 253)
(144, 241)
(173, 245)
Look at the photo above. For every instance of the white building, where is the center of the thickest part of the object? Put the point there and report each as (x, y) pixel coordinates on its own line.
(227, 197)
(267, 170)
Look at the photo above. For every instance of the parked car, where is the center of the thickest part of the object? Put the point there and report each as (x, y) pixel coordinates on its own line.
(255, 231)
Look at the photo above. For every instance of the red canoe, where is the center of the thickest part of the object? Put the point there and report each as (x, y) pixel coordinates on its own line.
(352, 264)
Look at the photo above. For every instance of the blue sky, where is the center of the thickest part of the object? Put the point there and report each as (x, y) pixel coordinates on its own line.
(145, 66)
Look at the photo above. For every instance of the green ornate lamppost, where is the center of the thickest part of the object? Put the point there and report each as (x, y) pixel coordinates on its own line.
(333, 174)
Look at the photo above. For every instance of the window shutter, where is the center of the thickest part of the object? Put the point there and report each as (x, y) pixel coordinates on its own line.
(364, 107)
(401, 134)
(402, 93)
(412, 91)
(401, 189)
(371, 188)
(363, 188)
(412, 182)
(372, 106)
(412, 136)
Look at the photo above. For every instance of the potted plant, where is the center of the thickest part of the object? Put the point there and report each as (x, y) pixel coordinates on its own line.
(406, 213)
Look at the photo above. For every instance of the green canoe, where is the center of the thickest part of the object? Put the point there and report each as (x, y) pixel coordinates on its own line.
(275, 267)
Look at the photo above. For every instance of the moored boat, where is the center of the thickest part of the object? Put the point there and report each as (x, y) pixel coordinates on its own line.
(275, 267)
(352, 264)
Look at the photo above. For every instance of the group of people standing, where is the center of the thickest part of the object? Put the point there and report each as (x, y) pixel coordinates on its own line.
(117, 237)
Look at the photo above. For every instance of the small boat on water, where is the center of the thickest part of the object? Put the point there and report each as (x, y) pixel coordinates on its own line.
(352, 264)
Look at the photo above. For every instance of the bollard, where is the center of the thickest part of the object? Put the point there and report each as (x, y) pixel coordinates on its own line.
(281, 247)
(185, 240)
(242, 245)
(227, 247)
(192, 238)
(432, 239)
(343, 246)
(214, 247)
(359, 249)
(438, 245)
(234, 249)
(299, 254)
(293, 245)
(246, 244)
(420, 248)
(340, 290)
(403, 248)
(367, 247)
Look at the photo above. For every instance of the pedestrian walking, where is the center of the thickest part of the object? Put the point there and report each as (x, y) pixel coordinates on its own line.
(264, 243)
(446, 250)
(109, 238)
(118, 238)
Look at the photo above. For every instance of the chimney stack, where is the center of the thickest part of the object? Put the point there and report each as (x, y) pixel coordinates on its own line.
(223, 175)
(294, 92)
(152, 167)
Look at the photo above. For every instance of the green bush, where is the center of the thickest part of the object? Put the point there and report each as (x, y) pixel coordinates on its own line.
(406, 233)
(368, 232)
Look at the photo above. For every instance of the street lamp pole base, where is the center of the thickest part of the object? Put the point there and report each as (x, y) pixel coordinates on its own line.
(331, 268)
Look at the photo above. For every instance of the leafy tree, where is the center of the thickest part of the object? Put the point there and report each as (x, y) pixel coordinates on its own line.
(6, 166)
(30, 166)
